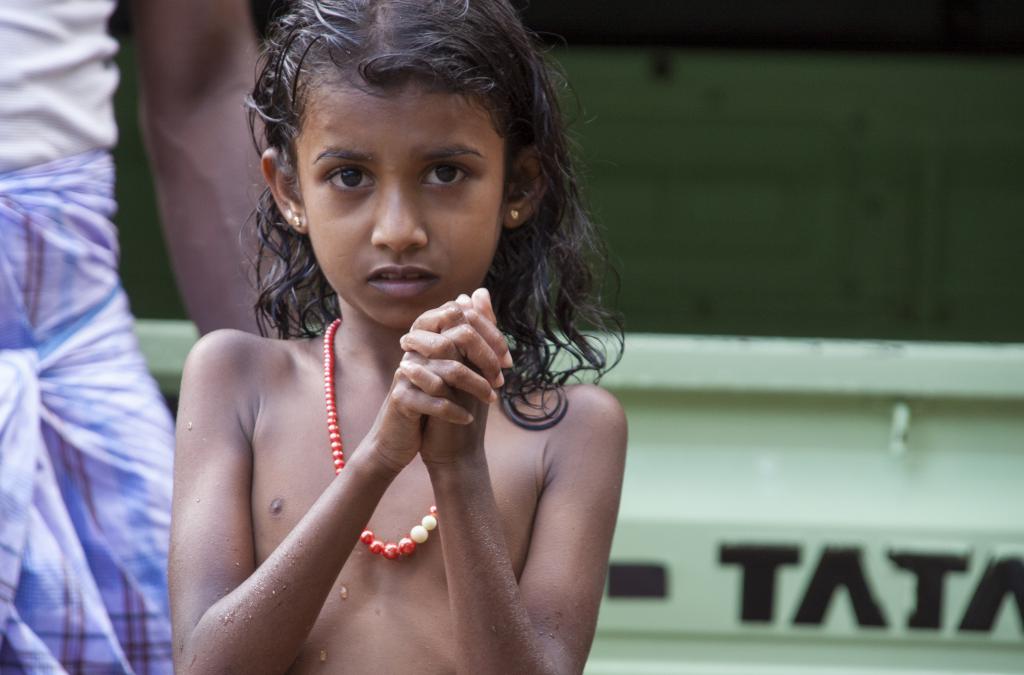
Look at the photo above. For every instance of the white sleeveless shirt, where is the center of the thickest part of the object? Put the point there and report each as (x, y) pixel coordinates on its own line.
(57, 80)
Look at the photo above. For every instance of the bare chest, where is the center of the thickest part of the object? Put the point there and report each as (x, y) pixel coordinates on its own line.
(292, 466)
(394, 609)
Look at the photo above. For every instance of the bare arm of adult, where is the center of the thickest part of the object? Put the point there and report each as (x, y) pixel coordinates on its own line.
(196, 62)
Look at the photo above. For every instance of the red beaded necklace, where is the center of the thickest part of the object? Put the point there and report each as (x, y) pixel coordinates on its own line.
(419, 533)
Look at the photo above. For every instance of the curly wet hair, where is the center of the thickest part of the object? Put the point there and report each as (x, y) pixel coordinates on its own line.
(546, 275)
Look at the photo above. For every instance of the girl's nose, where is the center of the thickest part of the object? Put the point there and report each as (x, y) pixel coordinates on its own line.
(397, 225)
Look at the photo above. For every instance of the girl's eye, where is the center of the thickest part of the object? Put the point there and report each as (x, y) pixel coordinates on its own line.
(350, 177)
(444, 174)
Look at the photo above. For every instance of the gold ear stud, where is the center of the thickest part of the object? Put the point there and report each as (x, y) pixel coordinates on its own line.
(514, 213)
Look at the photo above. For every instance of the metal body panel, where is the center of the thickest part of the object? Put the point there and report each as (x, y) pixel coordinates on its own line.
(788, 445)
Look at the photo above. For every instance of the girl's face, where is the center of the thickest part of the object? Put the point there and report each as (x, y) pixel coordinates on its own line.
(402, 196)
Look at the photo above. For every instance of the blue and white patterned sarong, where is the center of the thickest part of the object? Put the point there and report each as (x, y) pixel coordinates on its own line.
(85, 439)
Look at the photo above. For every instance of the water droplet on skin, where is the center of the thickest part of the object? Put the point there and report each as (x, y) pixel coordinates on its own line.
(189, 426)
(323, 655)
(197, 500)
(344, 593)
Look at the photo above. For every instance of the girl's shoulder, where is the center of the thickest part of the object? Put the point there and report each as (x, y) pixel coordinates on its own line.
(584, 456)
(230, 366)
(593, 404)
(234, 354)
(594, 422)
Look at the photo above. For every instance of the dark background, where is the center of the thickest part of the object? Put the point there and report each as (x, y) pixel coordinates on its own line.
(832, 168)
(945, 26)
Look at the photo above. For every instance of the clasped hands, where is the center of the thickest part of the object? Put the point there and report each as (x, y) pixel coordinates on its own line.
(437, 405)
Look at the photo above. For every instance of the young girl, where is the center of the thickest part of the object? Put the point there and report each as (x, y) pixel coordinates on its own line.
(406, 483)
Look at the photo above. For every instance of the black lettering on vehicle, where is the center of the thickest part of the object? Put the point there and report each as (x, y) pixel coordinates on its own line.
(636, 581)
(931, 570)
(839, 567)
(842, 567)
(1002, 577)
(759, 564)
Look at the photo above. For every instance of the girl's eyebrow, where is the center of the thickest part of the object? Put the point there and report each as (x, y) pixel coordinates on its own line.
(445, 152)
(450, 151)
(343, 153)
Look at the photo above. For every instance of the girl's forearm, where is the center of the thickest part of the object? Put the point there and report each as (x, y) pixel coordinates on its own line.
(260, 626)
(493, 630)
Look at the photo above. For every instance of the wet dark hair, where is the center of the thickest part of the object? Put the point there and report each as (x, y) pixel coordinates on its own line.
(542, 279)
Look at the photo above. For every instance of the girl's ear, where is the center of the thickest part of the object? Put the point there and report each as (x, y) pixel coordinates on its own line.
(281, 180)
(525, 188)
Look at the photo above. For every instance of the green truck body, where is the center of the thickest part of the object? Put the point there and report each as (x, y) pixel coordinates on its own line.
(804, 506)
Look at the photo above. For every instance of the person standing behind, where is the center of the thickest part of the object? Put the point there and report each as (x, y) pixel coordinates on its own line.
(85, 438)
(197, 61)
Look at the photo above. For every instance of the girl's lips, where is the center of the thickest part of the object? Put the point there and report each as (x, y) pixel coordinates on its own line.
(403, 288)
(402, 281)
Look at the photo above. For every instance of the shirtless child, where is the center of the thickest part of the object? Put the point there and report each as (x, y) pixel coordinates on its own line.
(415, 155)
